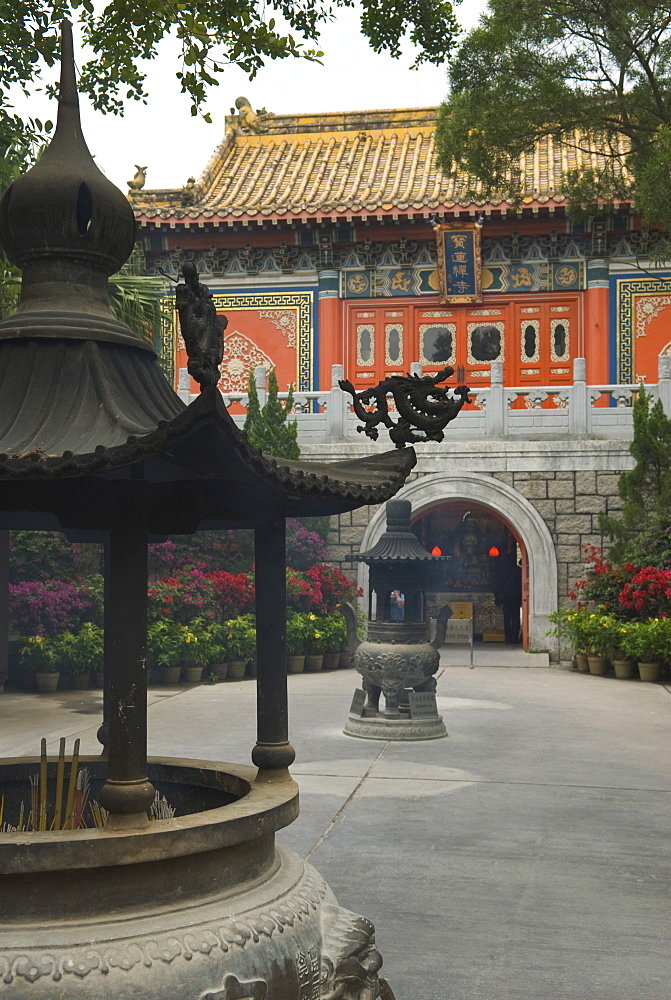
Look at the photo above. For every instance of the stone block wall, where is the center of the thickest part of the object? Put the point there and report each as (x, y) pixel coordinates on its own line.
(569, 502)
(568, 484)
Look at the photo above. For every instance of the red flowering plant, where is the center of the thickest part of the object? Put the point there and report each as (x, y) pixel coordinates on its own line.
(233, 593)
(303, 593)
(183, 597)
(605, 583)
(335, 587)
(648, 593)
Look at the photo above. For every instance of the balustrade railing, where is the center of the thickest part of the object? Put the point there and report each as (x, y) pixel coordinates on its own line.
(574, 409)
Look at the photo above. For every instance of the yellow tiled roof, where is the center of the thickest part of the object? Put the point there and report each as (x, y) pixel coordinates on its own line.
(345, 164)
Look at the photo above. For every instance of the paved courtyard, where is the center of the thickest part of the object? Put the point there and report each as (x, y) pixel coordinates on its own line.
(525, 857)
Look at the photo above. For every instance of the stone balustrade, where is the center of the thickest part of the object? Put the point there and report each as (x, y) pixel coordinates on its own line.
(498, 411)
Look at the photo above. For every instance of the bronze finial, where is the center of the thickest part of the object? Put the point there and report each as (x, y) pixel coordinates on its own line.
(68, 228)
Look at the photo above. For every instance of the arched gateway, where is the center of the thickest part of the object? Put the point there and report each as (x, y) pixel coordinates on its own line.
(431, 491)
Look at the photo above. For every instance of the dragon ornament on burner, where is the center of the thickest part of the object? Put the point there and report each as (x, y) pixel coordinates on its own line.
(424, 407)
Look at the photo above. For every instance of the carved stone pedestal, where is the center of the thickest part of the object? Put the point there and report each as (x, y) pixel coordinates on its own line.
(200, 907)
(380, 728)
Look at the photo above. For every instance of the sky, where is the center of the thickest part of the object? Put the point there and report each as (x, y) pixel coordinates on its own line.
(163, 136)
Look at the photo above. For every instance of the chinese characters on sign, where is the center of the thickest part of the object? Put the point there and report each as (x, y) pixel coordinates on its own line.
(459, 262)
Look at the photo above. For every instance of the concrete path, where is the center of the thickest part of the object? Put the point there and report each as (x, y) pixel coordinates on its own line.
(525, 857)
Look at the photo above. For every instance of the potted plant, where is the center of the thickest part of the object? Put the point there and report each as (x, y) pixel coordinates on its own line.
(335, 633)
(571, 625)
(297, 627)
(240, 644)
(623, 664)
(316, 641)
(166, 641)
(193, 654)
(38, 653)
(215, 652)
(84, 653)
(604, 638)
(648, 643)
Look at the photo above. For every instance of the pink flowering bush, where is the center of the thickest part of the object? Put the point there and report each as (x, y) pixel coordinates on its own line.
(48, 607)
(305, 548)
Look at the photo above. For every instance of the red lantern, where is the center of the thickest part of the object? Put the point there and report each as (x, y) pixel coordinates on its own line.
(494, 551)
(436, 551)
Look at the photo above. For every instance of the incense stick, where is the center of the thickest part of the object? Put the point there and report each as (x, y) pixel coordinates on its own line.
(43, 785)
(60, 774)
(72, 784)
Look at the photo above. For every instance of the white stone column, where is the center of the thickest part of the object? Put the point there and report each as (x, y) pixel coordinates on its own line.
(496, 409)
(260, 378)
(184, 385)
(336, 409)
(664, 381)
(579, 400)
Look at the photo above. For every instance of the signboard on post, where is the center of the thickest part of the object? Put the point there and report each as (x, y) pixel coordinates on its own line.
(460, 632)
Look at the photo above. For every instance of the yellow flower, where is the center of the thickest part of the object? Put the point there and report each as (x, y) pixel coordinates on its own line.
(318, 635)
(592, 616)
(313, 618)
(623, 630)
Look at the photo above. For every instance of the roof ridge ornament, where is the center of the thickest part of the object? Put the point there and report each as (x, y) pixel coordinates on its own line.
(419, 401)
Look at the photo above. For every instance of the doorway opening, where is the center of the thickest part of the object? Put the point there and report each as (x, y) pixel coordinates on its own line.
(486, 574)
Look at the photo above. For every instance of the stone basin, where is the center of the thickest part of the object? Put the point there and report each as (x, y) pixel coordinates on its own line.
(203, 906)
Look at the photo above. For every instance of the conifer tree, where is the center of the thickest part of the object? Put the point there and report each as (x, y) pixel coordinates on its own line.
(645, 490)
(267, 427)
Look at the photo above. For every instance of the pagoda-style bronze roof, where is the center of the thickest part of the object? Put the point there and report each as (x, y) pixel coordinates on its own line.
(398, 544)
(82, 395)
(380, 163)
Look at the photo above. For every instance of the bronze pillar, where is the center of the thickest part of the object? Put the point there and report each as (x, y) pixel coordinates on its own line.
(127, 793)
(4, 607)
(104, 729)
(273, 751)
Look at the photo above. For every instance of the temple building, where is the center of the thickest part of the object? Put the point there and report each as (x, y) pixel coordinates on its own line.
(334, 239)
(317, 233)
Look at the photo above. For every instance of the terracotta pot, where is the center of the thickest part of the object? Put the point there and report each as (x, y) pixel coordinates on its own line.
(649, 671)
(220, 670)
(296, 664)
(345, 659)
(46, 683)
(194, 675)
(236, 670)
(624, 669)
(314, 662)
(598, 665)
(170, 675)
(331, 661)
(80, 681)
(583, 665)
(99, 678)
(251, 669)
